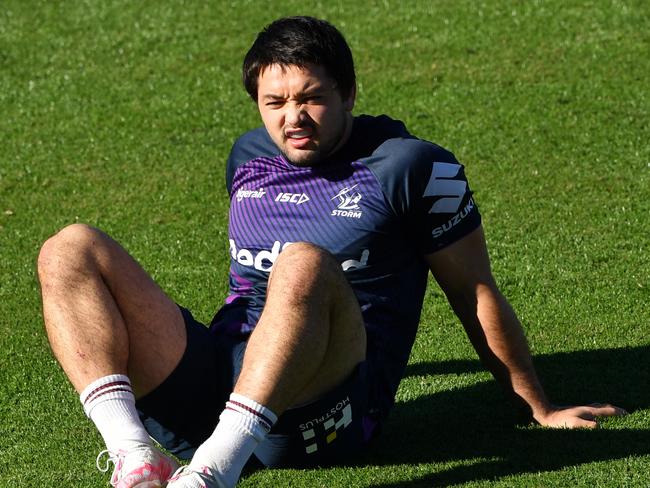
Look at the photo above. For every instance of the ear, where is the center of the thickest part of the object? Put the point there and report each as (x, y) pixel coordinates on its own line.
(348, 103)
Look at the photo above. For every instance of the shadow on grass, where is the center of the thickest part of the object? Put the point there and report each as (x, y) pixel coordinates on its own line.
(476, 427)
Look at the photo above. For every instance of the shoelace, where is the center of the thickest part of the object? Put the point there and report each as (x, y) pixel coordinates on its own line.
(113, 457)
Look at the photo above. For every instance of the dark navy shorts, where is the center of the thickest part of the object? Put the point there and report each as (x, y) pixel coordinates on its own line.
(184, 410)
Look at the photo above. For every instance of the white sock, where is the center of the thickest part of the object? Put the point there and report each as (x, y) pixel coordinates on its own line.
(109, 402)
(242, 425)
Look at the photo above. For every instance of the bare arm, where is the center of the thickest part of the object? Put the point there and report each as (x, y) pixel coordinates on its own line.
(463, 272)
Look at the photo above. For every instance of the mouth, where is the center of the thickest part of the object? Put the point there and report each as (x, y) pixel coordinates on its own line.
(299, 138)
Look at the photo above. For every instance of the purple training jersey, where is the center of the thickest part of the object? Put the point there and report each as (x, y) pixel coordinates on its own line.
(378, 205)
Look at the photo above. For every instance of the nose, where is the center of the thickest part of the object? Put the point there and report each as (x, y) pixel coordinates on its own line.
(294, 114)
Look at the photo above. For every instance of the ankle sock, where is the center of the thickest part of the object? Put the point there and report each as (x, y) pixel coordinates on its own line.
(242, 425)
(109, 402)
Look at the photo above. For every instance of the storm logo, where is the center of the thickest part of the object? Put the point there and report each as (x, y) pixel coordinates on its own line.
(348, 205)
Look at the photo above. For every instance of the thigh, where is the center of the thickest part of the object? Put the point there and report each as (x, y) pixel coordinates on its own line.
(99, 301)
(156, 332)
(310, 335)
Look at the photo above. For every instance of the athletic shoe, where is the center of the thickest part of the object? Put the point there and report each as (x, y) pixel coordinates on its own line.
(186, 477)
(142, 467)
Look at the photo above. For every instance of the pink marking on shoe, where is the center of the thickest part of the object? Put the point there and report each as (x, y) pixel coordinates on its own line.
(156, 474)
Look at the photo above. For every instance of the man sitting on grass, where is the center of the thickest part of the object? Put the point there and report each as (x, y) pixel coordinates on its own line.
(335, 223)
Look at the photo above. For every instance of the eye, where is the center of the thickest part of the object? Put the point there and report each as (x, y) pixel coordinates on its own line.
(274, 103)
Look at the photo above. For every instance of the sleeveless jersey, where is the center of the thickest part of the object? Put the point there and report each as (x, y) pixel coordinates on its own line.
(378, 205)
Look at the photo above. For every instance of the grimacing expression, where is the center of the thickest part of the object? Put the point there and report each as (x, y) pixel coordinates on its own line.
(303, 112)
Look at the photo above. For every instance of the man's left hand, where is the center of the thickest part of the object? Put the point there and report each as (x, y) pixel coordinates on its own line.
(578, 417)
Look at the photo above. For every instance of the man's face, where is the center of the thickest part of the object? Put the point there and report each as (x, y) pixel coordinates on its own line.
(303, 112)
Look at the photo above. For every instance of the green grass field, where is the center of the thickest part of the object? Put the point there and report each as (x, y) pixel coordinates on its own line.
(121, 114)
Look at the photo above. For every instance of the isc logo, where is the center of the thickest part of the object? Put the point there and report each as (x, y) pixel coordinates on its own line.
(295, 198)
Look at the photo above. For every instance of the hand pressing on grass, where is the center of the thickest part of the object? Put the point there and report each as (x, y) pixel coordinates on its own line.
(575, 417)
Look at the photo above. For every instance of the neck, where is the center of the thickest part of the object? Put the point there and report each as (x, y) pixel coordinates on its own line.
(347, 131)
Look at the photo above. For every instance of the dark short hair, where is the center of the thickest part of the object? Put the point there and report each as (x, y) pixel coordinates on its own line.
(298, 41)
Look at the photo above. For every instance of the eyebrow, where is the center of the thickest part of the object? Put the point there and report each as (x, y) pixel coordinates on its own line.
(307, 92)
(271, 96)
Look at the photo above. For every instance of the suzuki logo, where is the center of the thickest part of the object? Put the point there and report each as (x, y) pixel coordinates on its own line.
(450, 191)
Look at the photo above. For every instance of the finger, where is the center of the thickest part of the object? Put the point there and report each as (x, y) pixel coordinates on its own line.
(606, 410)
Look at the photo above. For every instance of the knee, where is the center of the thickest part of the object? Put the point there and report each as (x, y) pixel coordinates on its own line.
(63, 249)
(305, 256)
(303, 266)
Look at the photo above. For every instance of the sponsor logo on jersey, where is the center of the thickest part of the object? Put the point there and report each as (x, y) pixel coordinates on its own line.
(442, 184)
(351, 264)
(348, 205)
(264, 259)
(454, 221)
(324, 429)
(241, 194)
(295, 198)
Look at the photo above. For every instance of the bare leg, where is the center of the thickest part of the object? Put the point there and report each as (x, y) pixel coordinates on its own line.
(116, 335)
(310, 335)
(308, 340)
(103, 314)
